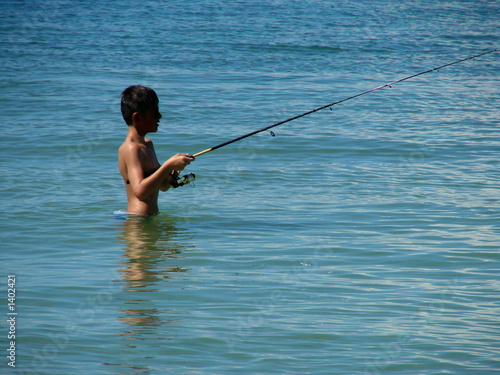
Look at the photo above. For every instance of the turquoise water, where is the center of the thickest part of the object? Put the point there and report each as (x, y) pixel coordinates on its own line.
(362, 240)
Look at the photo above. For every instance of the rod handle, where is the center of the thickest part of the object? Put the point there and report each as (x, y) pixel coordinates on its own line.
(202, 152)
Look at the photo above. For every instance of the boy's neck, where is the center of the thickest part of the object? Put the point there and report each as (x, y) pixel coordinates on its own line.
(134, 136)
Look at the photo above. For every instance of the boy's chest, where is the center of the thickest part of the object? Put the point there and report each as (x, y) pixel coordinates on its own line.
(148, 157)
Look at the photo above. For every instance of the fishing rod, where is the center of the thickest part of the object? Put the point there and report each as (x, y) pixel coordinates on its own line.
(190, 177)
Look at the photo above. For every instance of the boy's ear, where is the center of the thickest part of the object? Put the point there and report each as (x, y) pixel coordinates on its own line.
(136, 117)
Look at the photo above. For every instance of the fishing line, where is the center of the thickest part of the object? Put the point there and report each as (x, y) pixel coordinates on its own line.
(190, 177)
(338, 102)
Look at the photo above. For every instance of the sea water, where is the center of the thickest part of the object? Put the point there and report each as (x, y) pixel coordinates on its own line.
(362, 240)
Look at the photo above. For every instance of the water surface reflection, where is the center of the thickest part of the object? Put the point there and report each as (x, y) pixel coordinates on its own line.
(152, 252)
(148, 245)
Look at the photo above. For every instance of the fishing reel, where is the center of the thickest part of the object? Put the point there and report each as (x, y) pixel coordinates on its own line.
(181, 181)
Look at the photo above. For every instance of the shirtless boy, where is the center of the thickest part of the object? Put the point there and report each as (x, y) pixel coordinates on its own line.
(143, 175)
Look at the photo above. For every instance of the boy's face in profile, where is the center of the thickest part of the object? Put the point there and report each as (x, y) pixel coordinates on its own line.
(150, 119)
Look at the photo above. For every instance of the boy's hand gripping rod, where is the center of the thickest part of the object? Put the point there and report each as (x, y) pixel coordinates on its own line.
(191, 176)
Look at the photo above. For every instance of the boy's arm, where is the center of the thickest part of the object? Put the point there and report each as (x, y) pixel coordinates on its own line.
(144, 187)
(165, 185)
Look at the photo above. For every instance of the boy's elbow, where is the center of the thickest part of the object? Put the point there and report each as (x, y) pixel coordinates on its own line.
(141, 194)
(141, 197)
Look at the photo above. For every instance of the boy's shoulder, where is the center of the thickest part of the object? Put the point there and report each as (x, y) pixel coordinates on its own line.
(129, 146)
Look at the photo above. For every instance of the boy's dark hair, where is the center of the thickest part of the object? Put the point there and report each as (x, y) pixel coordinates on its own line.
(137, 99)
